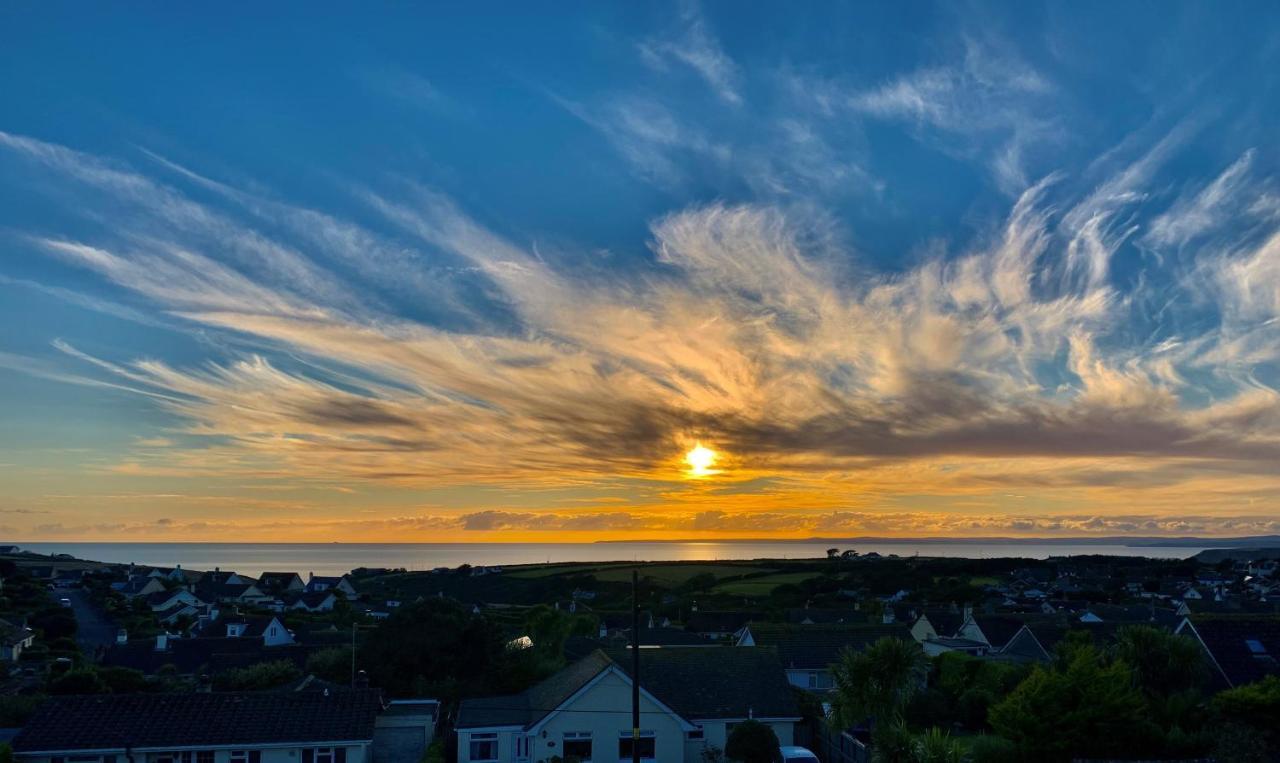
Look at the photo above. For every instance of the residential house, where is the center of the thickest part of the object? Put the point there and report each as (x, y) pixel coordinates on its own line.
(203, 655)
(807, 652)
(265, 627)
(993, 630)
(281, 582)
(139, 585)
(232, 593)
(690, 699)
(13, 639)
(942, 644)
(311, 601)
(242, 727)
(719, 625)
(938, 623)
(1240, 649)
(164, 600)
(318, 583)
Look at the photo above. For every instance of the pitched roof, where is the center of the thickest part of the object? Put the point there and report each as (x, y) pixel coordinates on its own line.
(195, 655)
(829, 616)
(1245, 649)
(117, 721)
(11, 634)
(999, 628)
(278, 579)
(814, 647)
(719, 622)
(700, 683)
(944, 621)
(697, 683)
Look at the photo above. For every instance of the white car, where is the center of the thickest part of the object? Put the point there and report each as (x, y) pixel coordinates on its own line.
(791, 754)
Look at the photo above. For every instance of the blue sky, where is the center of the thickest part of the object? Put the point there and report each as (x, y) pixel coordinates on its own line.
(489, 271)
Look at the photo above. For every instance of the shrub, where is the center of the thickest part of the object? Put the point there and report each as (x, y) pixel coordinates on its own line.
(752, 742)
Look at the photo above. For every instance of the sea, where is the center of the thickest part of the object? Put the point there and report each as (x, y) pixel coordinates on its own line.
(340, 558)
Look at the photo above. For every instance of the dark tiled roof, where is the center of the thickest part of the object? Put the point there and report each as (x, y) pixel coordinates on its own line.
(999, 629)
(116, 721)
(827, 616)
(190, 656)
(719, 622)
(701, 683)
(814, 647)
(530, 706)
(11, 634)
(1246, 649)
(944, 621)
(696, 682)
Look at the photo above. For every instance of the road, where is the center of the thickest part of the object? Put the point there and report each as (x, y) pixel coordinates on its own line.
(94, 629)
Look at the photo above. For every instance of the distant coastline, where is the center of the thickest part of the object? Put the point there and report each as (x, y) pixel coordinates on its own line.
(1258, 541)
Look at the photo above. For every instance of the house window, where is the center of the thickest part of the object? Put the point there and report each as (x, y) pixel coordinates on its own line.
(696, 734)
(577, 746)
(522, 748)
(246, 756)
(484, 748)
(325, 755)
(647, 743)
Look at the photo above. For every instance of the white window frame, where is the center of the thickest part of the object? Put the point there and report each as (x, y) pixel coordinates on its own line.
(577, 736)
(490, 738)
(644, 734)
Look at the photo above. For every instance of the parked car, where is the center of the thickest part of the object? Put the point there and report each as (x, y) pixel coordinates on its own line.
(65, 602)
(791, 754)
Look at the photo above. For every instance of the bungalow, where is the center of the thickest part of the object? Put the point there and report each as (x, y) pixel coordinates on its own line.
(139, 585)
(165, 600)
(318, 583)
(243, 727)
(13, 639)
(993, 630)
(281, 582)
(690, 700)
(1240, 649)
(232, 593)
(807, 652)
(267, 628)
(317, 601)
(938, 623)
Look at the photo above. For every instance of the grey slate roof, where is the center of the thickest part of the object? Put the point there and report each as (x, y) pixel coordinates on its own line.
(1245, 649)
(814, 647)
(141, 721)
(696, 682)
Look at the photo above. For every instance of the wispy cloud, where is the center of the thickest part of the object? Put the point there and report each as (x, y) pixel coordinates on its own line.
(753, 328)
(691, 44)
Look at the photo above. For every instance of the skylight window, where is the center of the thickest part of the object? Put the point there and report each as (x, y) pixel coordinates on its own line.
(1255, 647)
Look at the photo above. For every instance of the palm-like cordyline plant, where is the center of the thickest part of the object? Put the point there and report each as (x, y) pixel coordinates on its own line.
(877, 683)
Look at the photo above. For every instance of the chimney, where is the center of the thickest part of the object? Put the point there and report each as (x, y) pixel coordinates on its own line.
(968, 611)
(311, 576)
(362, 680)
(122, 636)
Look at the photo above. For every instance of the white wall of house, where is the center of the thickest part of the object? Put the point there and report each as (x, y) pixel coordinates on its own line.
(606, 717)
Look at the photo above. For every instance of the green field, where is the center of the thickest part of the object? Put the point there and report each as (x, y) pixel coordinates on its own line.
(762, 586)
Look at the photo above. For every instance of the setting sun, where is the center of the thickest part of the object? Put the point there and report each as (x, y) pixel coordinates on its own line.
(700, 460)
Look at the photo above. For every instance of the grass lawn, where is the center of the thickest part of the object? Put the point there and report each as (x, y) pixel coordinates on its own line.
(675, 574)
(762, 586)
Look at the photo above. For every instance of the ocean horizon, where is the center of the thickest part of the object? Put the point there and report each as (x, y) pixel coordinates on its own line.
(339, 558)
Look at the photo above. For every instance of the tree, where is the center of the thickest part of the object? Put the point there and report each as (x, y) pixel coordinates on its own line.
(437, 646)
(123, 680)
(79, 681)
(1163, 664)
(264, 675)
(832, 553)
(1248, 720)
(332, 664)
(878, 682)
(752, 742)
(1083, 706)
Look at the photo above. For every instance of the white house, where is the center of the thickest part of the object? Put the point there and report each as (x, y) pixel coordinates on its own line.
(807, 652)
(690, 699)
(13, 639)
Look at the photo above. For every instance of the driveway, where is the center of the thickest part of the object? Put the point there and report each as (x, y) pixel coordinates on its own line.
(94, 629)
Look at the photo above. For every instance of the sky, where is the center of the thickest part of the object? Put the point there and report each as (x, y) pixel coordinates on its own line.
(490, 272)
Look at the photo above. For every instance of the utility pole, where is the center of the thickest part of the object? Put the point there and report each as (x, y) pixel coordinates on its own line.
(353, 654)
(635, 666)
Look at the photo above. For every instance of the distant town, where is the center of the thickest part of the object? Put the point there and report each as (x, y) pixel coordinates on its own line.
(848, 658)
